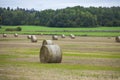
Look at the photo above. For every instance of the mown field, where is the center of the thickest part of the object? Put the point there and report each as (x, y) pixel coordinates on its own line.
(97, 31)
(84, 58)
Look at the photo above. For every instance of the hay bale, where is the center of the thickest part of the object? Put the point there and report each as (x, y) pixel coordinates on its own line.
(4, 35)
(117, 39)
(16, 35)
(62, 36)
(41, 34)
(50, 54)
(47, 42)
(54, 37)
(72, 36)
(29, 36)
(33, 38)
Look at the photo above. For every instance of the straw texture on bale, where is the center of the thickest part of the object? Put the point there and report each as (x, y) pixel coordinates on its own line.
(16, 35)
(54, 37)
(47, 42)
(4, 35)
(72, 36)
(50, 54)
(117, 39)
(29, 36)
(33, 38)
(62, 36)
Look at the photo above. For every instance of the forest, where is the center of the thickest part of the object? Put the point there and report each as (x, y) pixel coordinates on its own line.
(77, 16)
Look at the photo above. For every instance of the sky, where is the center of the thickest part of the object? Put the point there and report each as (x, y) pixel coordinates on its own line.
(56, 4)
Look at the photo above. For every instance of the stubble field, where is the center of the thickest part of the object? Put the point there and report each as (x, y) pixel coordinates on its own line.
(84, 58)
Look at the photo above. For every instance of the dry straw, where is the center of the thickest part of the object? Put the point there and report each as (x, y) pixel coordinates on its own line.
(33, 38)
(50, 54)
(117, 39)
(41, 34)
(29, 36)
(4, 35)
(47, 42)
(16, 35)
(72, 36)
(54, 37)
(62, 36)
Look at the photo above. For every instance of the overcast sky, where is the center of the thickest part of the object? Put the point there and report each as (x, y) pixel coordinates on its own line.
(56, 4)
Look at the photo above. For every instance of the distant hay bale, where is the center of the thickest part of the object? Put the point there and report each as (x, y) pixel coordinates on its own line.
(47, 42)
(72, 36)
(117, 39)
(16, 35)
(29, 36)
(4, 35)
(62, 36)
(33, 38)
(50, 54)
(54, 37)
(41, 34)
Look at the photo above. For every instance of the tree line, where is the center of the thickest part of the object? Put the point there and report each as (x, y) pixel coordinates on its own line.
(77, 16)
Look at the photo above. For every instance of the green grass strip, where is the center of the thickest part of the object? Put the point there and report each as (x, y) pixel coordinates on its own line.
(92, 55)
(4, 56)
(58, 66)
(76, 31)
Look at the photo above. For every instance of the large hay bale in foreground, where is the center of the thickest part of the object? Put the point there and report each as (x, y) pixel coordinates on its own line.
(29, 36)
(72, 36)
(16, 35)
(47, 42)
(62, 36)
(50, 54)
(33, 38)
(117, 39)
(4, 35)
(54, 37)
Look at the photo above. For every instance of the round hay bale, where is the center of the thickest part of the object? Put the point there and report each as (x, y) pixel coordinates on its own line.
(29, 36)
(4, 35)
(33, 38)
(54, 37)
(62, 36)
(72, 36)
(50, 54)
(16, 35)
(47, 42)
(41, 34)
(117, 39)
